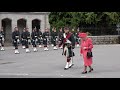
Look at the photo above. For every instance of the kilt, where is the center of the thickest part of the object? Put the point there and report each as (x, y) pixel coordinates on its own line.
(68, 51)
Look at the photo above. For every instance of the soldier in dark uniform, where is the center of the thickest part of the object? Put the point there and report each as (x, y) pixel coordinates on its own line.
(54, 36)
(2, 35)
(52, 41)
(25, 37)
(68, 42)
(39, 37)
(34, 36)
(45, 39)
(77, 37)
(60, 34)
(73, 32)
(23, 40)
(16, 38)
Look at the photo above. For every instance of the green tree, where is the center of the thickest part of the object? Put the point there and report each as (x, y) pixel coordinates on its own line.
(101, 20)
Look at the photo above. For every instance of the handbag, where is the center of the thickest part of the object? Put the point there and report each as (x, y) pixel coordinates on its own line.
(89, 54)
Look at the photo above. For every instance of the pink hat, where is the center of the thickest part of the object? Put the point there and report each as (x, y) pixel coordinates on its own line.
(82, 35)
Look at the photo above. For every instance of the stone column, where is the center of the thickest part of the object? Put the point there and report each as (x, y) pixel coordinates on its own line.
(47, 21)
(29, 25)
(42, 26)
(14, 24)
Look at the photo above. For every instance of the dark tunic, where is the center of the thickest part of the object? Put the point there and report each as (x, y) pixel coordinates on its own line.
(45, 38)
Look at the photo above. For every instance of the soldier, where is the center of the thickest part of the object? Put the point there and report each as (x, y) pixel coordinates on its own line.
(73, 31)
(54, 36)
(77, 37)
(23, 40)
(39, 37)
(60, 34)
(68, 42)
(52, 41)
(45, 39)
(16, 38)
(25, 37)
(34, 36)
(2, 39)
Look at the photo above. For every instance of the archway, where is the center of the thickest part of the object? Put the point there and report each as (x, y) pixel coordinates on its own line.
(21, 24)
(7, 27)
(36, 23)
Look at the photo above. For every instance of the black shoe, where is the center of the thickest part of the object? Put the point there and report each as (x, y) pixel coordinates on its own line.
(71, 66)
(66, 68)
(91, 70)
(84, 72)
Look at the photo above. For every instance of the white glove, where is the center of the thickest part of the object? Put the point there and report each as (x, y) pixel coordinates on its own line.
(14, 41)
(68, 41)
(64, 35)
(29, 40)
(36, 40)
(84, 48)
(3, 39)
(18, 40)
(56, 39)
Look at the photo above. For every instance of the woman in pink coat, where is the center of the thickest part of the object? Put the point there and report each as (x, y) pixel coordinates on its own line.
(86, 44)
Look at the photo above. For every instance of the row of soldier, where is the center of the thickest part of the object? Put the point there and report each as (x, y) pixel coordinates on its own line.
(37, 38)
(67, 40)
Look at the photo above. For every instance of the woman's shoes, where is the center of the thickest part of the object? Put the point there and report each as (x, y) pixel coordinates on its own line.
(84, 72)
(91, 70)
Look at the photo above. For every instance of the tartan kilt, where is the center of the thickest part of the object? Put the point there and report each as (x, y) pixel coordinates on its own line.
(67, 51)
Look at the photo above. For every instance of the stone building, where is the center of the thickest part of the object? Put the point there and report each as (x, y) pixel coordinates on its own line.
(9, 20)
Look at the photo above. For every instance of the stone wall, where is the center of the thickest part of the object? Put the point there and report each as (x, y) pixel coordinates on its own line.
(108, 39)
(9, 20)
(28, 16)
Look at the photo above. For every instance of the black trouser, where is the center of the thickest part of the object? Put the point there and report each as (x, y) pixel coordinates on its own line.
(59, 42)
(23, 42)
(45, 42)
(54, 41)
(15, 43)
(77, 40)
(26, 43)
(1, 41)
(34, 43)
(29, 41)
(39, 41)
